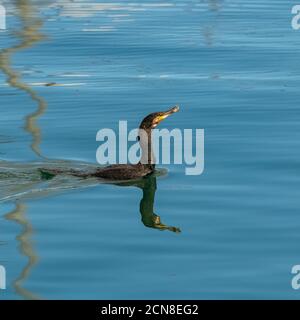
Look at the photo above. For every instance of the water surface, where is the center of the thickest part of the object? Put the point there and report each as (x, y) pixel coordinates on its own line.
(233, 68)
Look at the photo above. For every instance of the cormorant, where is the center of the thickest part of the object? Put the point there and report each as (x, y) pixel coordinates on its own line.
(143, 168)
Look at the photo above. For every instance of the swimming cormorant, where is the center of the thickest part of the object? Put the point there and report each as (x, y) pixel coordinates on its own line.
(144, 167)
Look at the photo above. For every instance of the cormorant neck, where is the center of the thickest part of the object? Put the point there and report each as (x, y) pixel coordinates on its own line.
(147, 155)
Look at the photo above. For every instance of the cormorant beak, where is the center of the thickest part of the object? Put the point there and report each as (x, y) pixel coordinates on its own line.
(165, 114)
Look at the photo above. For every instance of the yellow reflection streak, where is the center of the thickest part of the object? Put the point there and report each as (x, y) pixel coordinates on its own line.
(26, 248)
(29, 35)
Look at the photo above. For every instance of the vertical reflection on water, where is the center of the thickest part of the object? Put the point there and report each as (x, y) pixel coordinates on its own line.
(149, 218)
(26, 248)
(29, 35)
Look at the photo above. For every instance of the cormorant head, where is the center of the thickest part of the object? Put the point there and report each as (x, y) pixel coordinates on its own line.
(153, 119)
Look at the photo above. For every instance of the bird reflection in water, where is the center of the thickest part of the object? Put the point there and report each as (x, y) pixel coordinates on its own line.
(149, 218)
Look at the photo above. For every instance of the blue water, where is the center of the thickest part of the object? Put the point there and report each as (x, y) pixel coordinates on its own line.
(233, 68)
